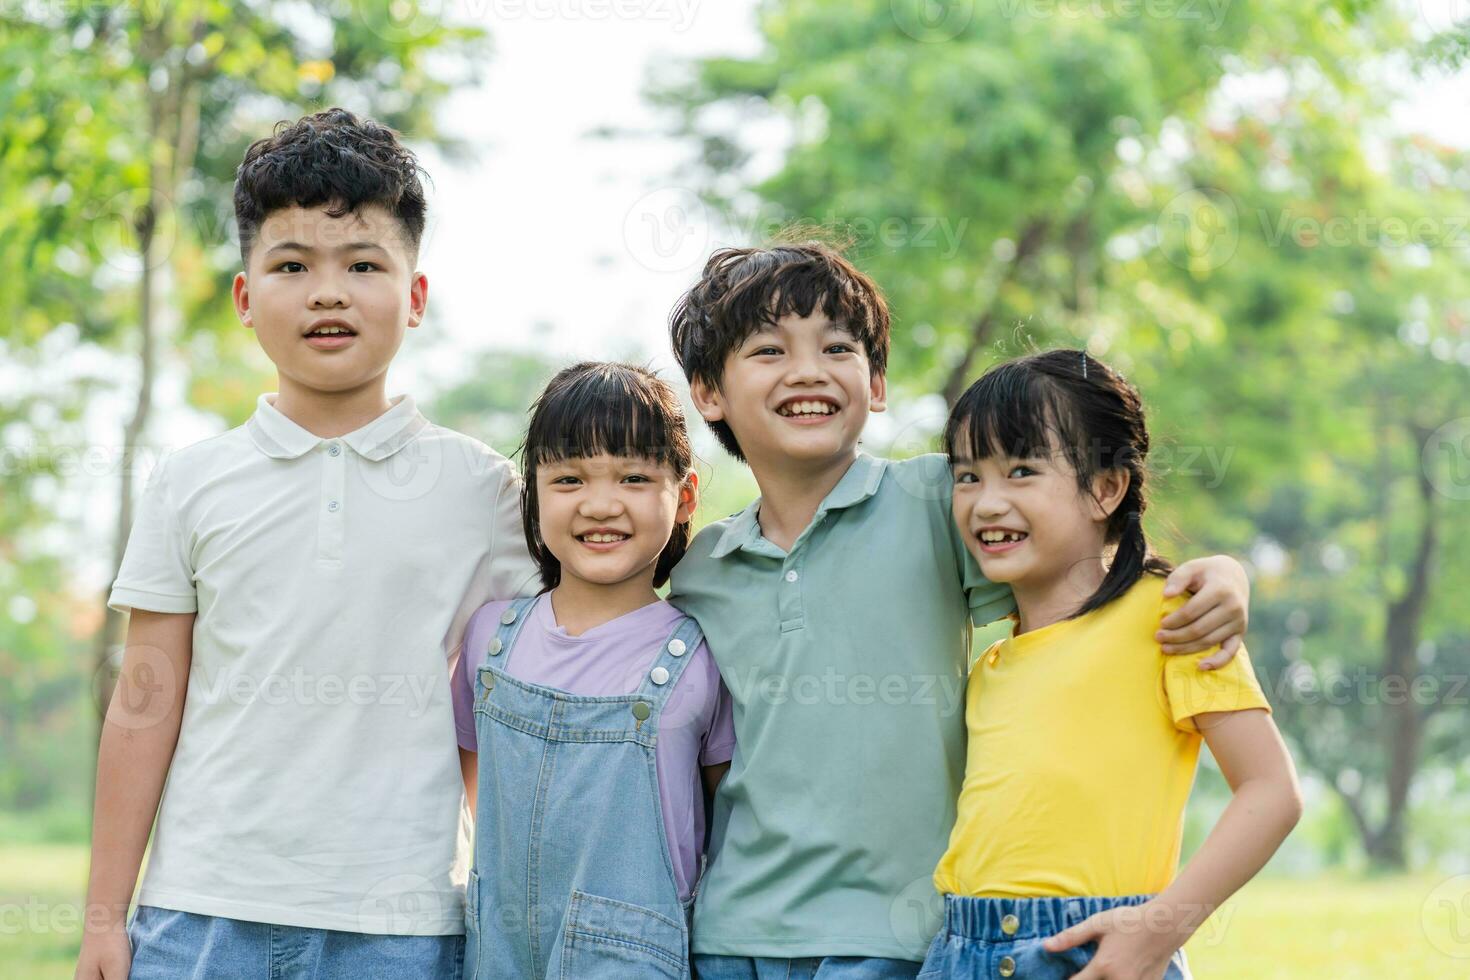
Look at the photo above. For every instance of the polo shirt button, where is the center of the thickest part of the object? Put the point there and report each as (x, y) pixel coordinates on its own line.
(1007, 966)
(1009, 924)
(496, 646)
(659, 675)
(508, 617)
(332, 506)
(676, 648)
(334, 450)
(791, 576)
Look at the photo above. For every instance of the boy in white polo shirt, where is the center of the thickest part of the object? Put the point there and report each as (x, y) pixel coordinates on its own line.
(297, 586)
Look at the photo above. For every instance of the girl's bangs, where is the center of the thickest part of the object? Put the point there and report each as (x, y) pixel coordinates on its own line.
(603, 412)
(1011, 412)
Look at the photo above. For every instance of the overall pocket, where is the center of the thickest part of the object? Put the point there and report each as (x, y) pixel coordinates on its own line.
(472, 927)
(603, 939)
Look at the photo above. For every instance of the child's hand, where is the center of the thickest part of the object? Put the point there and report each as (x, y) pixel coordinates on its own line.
(1133, 943)
(1217, 613)
(106, 955)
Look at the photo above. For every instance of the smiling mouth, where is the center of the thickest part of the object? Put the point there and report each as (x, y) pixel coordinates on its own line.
(332, 331)
(603, 538)
(1001, 537)
(806, 409)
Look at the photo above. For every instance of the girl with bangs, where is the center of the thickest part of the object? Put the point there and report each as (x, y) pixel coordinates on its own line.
(1083, 735)
(591, 718)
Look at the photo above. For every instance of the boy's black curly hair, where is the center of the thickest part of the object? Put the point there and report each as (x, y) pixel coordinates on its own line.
(332, 159)
(743, 288)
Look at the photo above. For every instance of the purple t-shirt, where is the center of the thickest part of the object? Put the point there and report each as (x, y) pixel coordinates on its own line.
(696, 728)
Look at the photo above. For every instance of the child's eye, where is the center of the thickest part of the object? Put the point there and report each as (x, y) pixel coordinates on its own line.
(565, 481)
(636, 478)
(283, 267)
(966, 478)
(1020, 470)
(369, 266)
(765, 350)
(840, 348)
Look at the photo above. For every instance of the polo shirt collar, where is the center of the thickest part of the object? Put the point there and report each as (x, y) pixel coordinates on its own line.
(858, 484)
(280, 438)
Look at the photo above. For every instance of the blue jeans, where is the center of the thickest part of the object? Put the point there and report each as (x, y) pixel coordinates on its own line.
(1001, 937)
(708, 967)
(170, 945)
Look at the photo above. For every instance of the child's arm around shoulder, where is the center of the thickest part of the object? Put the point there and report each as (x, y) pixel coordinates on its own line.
(1265, 805)
(1216, 613)
(139, 734)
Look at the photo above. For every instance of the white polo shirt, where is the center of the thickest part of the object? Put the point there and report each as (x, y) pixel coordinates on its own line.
(316, 781)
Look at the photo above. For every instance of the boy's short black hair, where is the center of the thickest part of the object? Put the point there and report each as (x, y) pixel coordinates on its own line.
(743, 288)
(597, 407)
(332, 159)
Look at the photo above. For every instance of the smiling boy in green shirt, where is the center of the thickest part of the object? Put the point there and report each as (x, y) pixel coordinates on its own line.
(838, 607)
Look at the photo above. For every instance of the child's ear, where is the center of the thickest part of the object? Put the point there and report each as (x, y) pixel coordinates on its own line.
(877, 392)
(241, 293)
(418, 298)
(688, 498)
(1108, 490)
(708, 401)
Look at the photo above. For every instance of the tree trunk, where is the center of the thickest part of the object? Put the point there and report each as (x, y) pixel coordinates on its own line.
(1028, 245)
(1404, 728)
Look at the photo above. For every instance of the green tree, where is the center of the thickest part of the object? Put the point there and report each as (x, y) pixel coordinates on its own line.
(120, 129)
(1210, 200)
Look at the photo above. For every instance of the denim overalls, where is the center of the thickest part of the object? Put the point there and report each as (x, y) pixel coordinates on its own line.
(572, 875)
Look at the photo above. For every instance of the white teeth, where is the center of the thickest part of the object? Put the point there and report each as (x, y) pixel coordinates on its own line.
(808, 408)
(330, 331)
(599, 538)
(996, 537)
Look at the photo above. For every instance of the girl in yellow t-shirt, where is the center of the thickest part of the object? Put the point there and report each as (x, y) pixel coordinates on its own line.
(1083, 734)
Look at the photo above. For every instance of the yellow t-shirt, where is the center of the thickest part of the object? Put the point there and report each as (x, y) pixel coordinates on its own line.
(1082, 753)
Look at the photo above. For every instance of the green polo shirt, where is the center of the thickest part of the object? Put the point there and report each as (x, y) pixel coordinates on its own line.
(846, 661)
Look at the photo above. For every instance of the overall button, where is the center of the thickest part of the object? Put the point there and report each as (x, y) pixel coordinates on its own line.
(1009, 924)
(496, 646)
(334, 450)
(641, 711)
(508, 617)
(659, 676)
(332, 506)
(1007, 966)
(791, 576)
(676, 648)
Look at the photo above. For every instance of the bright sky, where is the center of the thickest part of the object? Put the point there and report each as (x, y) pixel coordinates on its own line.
(560, 239)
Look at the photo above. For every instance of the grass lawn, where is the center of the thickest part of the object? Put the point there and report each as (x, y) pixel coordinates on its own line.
(1294, 929)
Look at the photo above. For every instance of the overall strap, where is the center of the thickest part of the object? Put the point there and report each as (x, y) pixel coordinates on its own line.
(668, 666)
(511, 621)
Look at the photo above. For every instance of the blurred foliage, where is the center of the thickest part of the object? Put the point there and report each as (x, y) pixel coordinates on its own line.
(1217, 203)
(121, 125)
